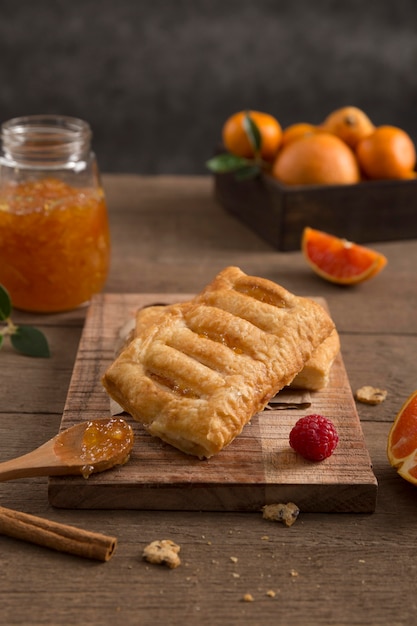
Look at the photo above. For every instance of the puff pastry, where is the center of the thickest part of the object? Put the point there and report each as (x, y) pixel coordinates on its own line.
(314, 375)
(197, 376)
(316, 372)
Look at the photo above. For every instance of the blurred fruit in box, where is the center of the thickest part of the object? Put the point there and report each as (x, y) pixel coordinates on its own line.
(346, 148)
(388, 152)
(338, 260)
(316, 159)
(296, 131)
(349, 123)
(237, 136)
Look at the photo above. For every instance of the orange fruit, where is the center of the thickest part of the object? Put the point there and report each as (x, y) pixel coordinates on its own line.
(410, 175)
(236, 140)
(388, 153)
(316, 159)
(402, 440)
(350, 124)
(338, 260)
(295, 131)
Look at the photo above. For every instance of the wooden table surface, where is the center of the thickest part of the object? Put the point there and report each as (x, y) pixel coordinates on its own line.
(170, 236)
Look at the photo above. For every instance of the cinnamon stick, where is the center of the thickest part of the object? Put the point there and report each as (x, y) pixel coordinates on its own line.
(55, 535)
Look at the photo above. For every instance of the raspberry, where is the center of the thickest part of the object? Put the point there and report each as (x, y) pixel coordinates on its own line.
(314, 437)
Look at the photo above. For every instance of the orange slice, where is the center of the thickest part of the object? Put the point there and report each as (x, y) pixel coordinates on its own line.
(402, 440)
(338, 260)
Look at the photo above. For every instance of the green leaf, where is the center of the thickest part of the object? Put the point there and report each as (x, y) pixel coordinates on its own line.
(5, 304)
(1, 340)
(253, 133)
(30, 341)
(250, 171)
(226, 163)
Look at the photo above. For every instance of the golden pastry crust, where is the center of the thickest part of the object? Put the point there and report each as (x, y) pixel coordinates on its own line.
(316, 372)
(198, 375)
(148, 316)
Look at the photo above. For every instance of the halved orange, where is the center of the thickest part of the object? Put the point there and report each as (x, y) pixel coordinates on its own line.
(402, 440)
(338, 260)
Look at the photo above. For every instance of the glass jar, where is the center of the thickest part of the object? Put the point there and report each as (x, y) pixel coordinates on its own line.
(54, 231)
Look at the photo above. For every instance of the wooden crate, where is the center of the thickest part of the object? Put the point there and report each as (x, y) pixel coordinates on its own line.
(371, 211)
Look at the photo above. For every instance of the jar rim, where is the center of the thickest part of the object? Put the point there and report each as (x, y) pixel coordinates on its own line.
(73, 126)
(46, 140)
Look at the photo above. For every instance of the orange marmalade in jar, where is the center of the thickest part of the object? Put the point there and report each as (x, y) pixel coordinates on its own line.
(54, 231)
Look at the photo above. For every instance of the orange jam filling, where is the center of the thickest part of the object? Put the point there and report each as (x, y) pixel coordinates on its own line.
(105, 440)
(54, 244)
(223, 338)
(175, 386)
(261, 294)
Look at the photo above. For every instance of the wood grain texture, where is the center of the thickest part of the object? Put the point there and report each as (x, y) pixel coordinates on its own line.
(169, 235)
(258, 468)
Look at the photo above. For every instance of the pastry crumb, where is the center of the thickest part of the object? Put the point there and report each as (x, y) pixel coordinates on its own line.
(293, 573)
(370, 395)
(162, 552)
(234, 559)
(248, 597)
(285, 513)
(270, 593)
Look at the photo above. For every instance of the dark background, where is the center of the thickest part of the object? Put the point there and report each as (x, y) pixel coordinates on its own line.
(156, 79)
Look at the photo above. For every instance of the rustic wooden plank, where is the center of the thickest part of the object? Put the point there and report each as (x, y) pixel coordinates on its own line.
(168, 223)
(258, 468)
(326, 569)
(384, 361)
(349, 554)
(43, 379)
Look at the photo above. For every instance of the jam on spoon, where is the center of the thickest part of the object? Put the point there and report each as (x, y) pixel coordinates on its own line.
(86, 448)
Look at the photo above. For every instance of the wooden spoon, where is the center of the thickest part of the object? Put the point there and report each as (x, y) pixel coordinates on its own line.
(89, 447)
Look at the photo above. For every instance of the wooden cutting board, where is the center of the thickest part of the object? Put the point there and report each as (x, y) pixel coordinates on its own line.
(258, 468)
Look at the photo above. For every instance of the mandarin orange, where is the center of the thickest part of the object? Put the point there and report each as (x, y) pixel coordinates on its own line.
(316, 159)
(237, 141)
(389, 152)
(295, 131)
(349, 123)
(338, 260)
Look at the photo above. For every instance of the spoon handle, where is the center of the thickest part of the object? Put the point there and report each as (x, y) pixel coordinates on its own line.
(39, 462)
